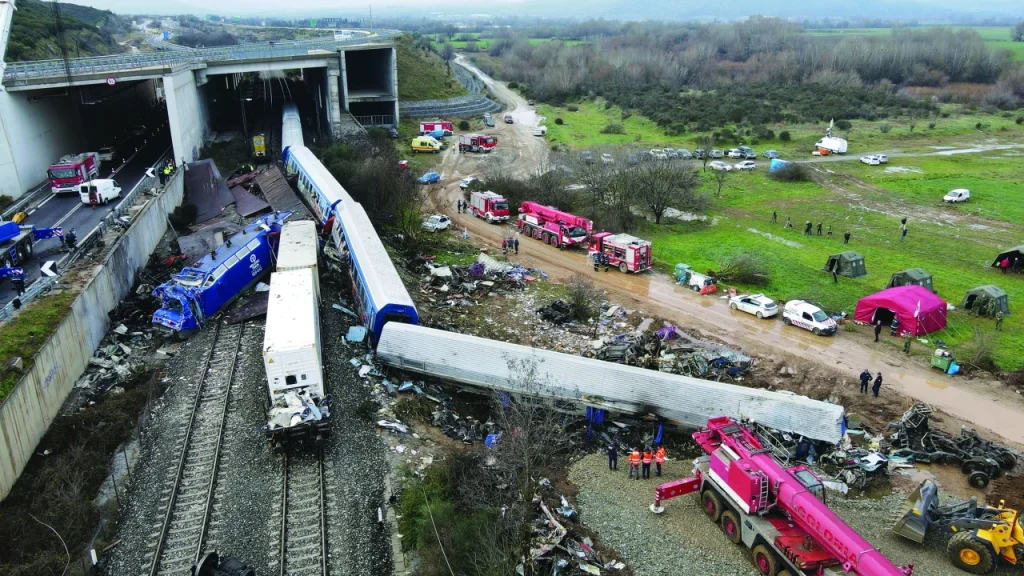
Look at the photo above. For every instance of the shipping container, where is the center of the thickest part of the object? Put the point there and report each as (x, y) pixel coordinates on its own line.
(291, 345)
(299, 249)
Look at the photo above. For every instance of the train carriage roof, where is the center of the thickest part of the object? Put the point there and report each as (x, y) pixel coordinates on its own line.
(319, 175)
(373, 260)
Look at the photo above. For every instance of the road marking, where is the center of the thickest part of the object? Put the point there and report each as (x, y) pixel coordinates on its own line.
(68, 215)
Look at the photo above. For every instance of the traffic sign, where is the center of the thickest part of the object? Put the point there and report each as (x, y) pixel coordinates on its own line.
(47, 268)
(111, 80)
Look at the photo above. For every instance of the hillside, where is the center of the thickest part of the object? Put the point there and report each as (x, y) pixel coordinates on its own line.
(33, 32)
(422, 75)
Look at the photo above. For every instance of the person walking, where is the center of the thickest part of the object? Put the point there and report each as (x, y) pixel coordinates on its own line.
(835, 275)
(878, 330)
(1005, 264)
(504, 247)
(659, 459)
(908, 339)
(878, 385)
(789, 222)
(71, 239)
(605, 259)
(634, 463)
(1015, 267)
(597, 260)
(648, 457)
(865, 377)
(894, 328)
(775, 217)
(458, 206)
(613, 454)
(846, 237)
(163, 175)
(829, 231)
(515, 243)
(999, 319)
(807, 228)
(819, 229)
(903, 232)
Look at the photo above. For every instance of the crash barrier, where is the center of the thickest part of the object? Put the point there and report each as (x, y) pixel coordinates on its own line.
(34, 402)
(491, 364)
(472, 105)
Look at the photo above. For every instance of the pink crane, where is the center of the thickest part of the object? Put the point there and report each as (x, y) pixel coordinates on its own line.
(553, 226)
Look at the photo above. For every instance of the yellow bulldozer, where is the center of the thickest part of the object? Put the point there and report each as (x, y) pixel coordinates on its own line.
(981, 534)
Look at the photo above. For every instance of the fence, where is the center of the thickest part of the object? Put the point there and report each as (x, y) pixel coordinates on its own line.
(379, 120)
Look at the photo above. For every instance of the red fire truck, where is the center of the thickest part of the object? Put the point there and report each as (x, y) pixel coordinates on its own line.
(443, 125)
(489, 206)
(552, 226)
(629, 253)
(71, 170)
(477, 143)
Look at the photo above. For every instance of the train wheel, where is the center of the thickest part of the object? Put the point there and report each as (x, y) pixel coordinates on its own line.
(731, 526)
(765, 560)
(1007, 460)
(969, 554)
(712, 505)
(979, 479)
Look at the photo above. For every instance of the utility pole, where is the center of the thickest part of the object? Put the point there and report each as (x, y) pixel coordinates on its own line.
(371, 17)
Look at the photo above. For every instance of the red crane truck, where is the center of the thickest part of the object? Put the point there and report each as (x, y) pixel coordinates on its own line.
(477, 143)
(552, 226)
(72, 170)
(489, 206)
(629, 253)
(778, 513)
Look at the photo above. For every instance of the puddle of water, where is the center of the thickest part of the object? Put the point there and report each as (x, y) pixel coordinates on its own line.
(684, 216)
(775, 238)
(939, 385)
(903, 170)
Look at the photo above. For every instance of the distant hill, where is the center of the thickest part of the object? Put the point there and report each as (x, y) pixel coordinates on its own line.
(87, 31)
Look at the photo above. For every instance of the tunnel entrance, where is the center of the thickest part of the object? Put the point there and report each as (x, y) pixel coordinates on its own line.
(368, 73)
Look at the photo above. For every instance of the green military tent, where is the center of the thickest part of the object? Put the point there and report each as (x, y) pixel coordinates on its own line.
(986, 300)
(1017, 252)
(847, 263)
(912, 277)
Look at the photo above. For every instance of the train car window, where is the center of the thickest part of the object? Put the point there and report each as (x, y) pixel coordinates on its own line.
(242, 252)
(303, 376)
(231, 261)
(254, 244)
(219, 272)
(290, 380)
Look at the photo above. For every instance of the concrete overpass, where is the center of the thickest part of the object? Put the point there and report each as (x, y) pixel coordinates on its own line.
(360, 79)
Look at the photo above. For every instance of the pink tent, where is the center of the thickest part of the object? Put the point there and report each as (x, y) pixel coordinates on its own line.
(918, 309)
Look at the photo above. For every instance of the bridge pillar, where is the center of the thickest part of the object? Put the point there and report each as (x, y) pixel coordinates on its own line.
(344, 81)
(186, 113)
(334, 98)
(394, 80)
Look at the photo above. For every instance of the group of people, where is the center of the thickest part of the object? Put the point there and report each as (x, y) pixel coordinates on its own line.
(1005, 264)
(809, 227)
(639, 462)
(166, 170)
(865, 379)
(510, 243)
(601, 258)
(462, 206)
(894, 330)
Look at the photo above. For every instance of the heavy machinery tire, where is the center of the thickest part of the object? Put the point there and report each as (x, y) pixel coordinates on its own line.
(554, 241)
(536, 233)
(712, 505)
(979, 479)
(731, 526)
(765, 560)
(970, 554)
(28, 254)
(623, 268)
(545, 237)
(733, 306)
(1008, 460)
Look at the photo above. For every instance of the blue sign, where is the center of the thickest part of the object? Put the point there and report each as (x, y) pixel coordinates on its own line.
(166, 35)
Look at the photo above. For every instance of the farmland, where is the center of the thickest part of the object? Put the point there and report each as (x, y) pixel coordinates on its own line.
(996, 37)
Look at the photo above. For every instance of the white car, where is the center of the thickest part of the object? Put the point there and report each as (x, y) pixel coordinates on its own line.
(436, 223)
(958, 195)
(809, 317)
(659, 153)
(540, 131)
(670, 152)
(882, 158)
(607, 158)
(734, 153)
(746, 165)
(107, 153)
(468, 181)
(757, 304)
(719, 165)
(870, 160)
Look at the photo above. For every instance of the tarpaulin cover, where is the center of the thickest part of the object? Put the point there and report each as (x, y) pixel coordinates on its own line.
(903, 300)
(279, 193)
(246, 203)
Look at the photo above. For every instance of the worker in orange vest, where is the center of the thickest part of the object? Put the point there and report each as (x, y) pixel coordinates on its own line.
(659, 458)
(648, 456)
(634, 463)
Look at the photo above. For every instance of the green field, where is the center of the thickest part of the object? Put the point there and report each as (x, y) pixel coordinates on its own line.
(995, 37)
(423, 75)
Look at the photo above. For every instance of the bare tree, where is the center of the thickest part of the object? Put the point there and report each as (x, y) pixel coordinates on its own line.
(582, 297)
(1017, 32)
(450, 30)
(708, 144)
(665, 185)
(719, 178)
(447, 53)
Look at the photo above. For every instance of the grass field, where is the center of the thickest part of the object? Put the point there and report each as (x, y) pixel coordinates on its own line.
(996, 37)
(423, 76)
(24, 335)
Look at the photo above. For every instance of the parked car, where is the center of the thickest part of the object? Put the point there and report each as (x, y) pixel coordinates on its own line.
(530, 102)
(699, 153)
(107, 154)
(958, 195)
(716, 154)
(702, 283)
(508, 118)
(468, 181)
(658, 154)
(734, 153)
(757, 304)
(809, 317)
(436, 223)
(748, 153)
(489, 122)
(684, 154)
(607, 158)
(587, 156)
(429, 178)
(770, 154)
(746, 165)
(882, 158)
(139, 129)
(719, 165)
(670, 152)
(870, 160)
(540, 131)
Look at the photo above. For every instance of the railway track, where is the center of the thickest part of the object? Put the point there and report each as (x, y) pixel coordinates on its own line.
(303, 544)
(186, 518)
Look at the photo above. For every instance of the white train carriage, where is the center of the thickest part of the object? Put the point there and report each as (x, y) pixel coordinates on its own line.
(299, 404)
(299, 248)
(291, 129)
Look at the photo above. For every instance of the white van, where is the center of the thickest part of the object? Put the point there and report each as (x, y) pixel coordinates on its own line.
(958, 195)
(103, 190)
(809, 317)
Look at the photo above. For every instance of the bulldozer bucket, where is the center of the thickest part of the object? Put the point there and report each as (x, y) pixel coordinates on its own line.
(914, 524)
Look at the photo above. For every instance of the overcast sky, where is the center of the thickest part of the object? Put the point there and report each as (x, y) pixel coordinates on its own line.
(676, 9)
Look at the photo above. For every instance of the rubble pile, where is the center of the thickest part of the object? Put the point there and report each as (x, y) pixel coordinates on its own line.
(455, 284)
(294, 408)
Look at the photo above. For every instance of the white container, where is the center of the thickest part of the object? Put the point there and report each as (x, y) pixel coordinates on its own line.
(298, 250)
(291, 345)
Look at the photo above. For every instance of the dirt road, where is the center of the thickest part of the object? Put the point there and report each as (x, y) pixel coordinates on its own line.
(988, 405)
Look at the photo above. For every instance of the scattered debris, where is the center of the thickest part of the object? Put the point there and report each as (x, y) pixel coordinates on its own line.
(294, 408)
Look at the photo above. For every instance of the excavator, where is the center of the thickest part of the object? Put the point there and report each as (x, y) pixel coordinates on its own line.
(981, 534)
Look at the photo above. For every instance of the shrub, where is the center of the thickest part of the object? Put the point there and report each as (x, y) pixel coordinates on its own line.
(931, 125)
(745, 269)
(843, 124)
(558, 121)
(572, 108)
(885, 128)
(626, 114)
(1020, 120)
(513, 84)
(791, 173)
(463, 124)
(608, 104)
(784, 136)
(613, 128)
(6, 200)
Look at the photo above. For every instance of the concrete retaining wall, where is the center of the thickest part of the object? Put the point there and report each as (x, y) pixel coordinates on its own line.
(187, 113)
(471, 105)
(34, 133)
(27, 412)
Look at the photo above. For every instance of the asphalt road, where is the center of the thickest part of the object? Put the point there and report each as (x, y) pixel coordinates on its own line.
(68, 212)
